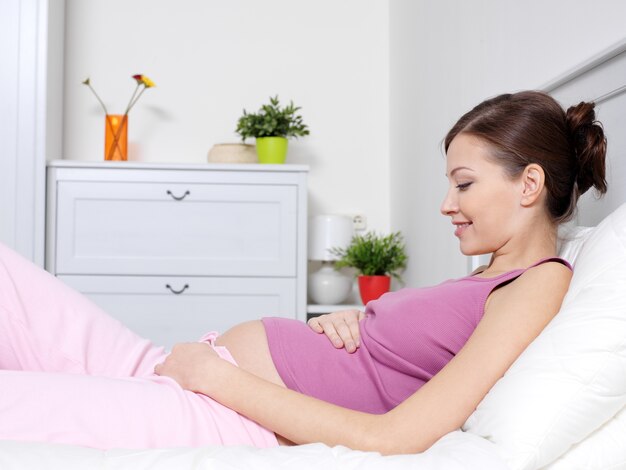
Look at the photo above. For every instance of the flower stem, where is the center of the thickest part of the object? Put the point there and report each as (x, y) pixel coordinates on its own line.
(132, 102)
(97, 97)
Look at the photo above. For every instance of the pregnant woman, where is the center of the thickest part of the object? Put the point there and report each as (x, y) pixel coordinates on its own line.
(394, 378)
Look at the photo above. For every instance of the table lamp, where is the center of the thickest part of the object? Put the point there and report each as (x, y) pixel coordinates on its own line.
(328, 286)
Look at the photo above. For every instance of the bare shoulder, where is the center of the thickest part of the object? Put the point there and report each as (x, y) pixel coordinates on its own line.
(530, 302)
(553, 270)
(547, 282)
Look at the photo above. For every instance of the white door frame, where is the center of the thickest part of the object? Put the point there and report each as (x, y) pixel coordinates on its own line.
(23, 48)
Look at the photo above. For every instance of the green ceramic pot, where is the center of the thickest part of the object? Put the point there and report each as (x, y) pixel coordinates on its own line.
(271, 149)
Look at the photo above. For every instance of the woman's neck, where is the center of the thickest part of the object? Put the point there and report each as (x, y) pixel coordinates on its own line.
(524, 251)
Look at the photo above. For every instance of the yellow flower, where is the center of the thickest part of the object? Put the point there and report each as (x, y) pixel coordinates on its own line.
(147, 82)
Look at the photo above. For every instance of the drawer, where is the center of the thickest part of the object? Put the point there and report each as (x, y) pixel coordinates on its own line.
(150, 308)
(144, 228)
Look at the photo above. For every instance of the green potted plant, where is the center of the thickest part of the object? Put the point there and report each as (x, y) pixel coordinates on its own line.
(271, 126)
(377, 258)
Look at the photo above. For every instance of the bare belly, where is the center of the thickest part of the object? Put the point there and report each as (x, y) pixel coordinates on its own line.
(247, 343)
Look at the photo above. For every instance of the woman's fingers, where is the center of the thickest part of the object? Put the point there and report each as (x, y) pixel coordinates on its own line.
(341, 328)
(331, 332)
(352, 323)
(345, 333)
(315, 325)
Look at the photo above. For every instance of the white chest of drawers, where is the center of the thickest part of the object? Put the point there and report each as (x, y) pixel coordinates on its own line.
(174, 251)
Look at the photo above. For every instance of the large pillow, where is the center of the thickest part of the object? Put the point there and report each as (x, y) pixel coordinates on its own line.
(604, 449)
(572, 378)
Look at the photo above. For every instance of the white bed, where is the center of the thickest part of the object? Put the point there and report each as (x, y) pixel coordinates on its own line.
(562, 405)
(456, 451)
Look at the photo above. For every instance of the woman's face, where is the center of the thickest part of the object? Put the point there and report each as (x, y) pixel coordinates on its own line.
(482, 200)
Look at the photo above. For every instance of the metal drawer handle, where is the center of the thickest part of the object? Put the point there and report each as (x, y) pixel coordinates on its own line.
(173, 291)
(178, 198)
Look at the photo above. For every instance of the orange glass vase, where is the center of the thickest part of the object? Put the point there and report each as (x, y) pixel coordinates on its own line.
(116, 137)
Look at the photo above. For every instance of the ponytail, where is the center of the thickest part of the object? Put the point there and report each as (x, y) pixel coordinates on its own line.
(589, 145)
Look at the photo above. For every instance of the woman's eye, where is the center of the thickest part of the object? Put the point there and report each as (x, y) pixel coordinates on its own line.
(463, 186)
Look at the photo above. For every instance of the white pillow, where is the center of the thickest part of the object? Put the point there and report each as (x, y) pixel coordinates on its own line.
(603, 449)
(572, 378)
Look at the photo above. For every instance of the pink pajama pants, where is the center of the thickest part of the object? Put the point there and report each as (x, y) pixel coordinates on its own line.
(71, 374)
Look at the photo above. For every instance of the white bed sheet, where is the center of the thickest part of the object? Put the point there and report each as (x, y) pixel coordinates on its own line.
(455, 451)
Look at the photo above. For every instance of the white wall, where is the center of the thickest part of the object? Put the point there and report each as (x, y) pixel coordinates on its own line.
(380, 83)
(211, 59)
(447, 56)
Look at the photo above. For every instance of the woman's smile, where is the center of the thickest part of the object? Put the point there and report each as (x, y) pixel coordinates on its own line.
(460, 228)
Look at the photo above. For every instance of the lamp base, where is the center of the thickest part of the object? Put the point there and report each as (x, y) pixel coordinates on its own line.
(329, 286)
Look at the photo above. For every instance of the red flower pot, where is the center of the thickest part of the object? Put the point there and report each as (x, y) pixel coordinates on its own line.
(372, 287)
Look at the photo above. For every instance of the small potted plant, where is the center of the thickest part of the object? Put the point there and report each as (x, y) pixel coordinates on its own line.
(271, 126)
(377, 258)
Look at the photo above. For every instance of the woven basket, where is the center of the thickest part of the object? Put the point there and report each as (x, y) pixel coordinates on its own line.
(232, 153)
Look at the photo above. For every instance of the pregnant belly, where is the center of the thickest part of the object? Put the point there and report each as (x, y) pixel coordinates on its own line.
(247, 343)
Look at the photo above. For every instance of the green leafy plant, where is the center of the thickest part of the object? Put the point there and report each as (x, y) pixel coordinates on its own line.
(272, 121)
(373, 255)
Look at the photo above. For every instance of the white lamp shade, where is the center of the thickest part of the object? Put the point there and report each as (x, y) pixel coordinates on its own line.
(326, 232)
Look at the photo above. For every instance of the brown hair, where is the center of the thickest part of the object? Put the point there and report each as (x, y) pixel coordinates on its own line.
(531, 127)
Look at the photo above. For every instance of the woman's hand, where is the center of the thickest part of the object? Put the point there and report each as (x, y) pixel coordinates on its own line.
(188, 363)
(342, 328)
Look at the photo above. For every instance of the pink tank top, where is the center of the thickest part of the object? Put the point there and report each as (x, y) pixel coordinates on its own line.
(407, 337)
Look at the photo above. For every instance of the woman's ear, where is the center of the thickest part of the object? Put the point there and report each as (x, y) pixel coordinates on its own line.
(533, 182)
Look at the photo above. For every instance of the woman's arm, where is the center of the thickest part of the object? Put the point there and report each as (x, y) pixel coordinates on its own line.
(515, 315)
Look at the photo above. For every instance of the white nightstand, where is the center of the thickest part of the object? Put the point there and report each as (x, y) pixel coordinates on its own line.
(174, 251)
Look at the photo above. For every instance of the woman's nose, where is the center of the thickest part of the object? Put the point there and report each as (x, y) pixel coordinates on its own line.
(448, 205)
